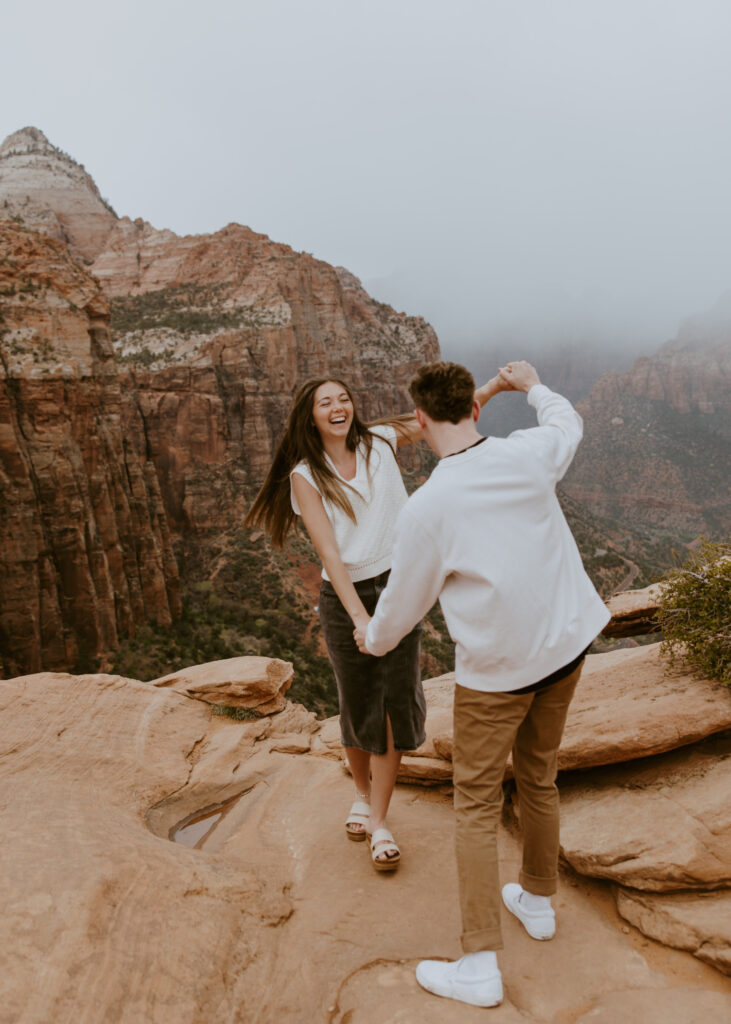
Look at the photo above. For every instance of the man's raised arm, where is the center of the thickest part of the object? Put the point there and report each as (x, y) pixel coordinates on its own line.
(560, 427)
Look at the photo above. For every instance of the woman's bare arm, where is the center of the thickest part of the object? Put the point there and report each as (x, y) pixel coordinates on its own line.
(322, 535)
(492, 388)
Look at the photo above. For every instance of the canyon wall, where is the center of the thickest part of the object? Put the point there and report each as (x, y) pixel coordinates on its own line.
(85, 550)
(656, 439)
(117, 443)
(216, 332)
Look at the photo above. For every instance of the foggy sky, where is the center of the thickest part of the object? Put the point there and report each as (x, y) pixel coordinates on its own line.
(529, 168)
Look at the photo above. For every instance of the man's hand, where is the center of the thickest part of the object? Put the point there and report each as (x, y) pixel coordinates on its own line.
(359, 633)
(519, 376)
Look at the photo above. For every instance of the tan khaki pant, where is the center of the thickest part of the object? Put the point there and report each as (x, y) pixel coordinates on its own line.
(486, 727)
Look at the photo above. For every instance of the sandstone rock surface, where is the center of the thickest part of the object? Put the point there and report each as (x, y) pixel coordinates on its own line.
(659, 826)
(102, 916)
(631, 704)
(698, 922)
(106, 919)
(633, 612)
(648, 1006)
(248, 682)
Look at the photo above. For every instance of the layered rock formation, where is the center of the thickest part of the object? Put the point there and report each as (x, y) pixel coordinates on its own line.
(664, 826)
(48, 191)
(85, 551)
(212, 335)
(660, 830)
(217, 331)
(252, 683)
(698, 922)
(634, 612)
(656, 442)
(259, 909)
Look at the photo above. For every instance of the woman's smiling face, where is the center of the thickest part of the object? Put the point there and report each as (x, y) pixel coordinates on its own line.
(332, 410)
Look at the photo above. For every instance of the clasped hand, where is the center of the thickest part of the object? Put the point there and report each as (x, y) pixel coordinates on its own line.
(359, 634)
(518, 376)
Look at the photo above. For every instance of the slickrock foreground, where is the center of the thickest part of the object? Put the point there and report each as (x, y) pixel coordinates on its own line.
(276, 916)
(663, 825)
(698, 922)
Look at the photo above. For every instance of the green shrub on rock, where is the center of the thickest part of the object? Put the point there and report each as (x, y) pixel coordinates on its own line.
(695, 611)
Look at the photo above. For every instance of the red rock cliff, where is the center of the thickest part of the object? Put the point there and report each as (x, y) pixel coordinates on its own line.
(106, 450)
(217, 331)
(85, 551)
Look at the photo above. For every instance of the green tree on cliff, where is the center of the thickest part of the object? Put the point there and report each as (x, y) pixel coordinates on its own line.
(695, 612)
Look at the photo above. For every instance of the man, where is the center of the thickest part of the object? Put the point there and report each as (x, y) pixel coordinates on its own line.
(486, 535)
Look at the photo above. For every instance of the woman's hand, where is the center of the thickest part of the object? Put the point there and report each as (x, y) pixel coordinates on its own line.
(519, 376)
(361, 625)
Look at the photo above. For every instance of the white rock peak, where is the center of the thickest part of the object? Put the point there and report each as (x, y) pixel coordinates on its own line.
(49, 191)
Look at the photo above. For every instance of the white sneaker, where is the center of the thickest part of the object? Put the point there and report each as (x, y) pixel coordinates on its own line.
(540, 924)
(444, 978)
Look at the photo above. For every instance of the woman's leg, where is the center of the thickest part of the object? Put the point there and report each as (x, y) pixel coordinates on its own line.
(351, 676)
(360, 766)
(359, 761)
(384, 769)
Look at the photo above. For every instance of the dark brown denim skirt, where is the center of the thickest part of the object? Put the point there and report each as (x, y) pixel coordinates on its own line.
(370, 688)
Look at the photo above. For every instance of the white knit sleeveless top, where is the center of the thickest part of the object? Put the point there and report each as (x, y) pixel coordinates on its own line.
(377, 496)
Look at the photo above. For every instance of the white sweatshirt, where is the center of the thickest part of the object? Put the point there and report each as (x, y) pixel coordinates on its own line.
(486, 535)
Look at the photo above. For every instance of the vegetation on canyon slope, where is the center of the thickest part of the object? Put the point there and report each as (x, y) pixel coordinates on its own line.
(241, 596)
(615, 555)
(186, 309)
(695, 613)
(147, 328)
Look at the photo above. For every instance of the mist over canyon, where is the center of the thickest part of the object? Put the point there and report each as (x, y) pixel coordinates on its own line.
(145, 380)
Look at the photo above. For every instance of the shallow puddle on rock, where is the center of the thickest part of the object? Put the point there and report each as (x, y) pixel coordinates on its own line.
(197, 829)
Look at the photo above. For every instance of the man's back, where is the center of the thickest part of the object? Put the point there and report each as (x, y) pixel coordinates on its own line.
(486, 532)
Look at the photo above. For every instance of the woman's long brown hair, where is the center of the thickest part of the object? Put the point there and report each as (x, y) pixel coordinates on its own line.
(272, 509)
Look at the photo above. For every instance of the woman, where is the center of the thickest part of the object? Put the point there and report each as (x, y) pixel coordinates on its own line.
(342, 478)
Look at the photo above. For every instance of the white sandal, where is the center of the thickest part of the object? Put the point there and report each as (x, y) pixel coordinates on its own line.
(382, 842)
(359, 814)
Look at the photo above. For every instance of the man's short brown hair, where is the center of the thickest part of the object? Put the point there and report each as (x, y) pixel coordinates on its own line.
(444, 391)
